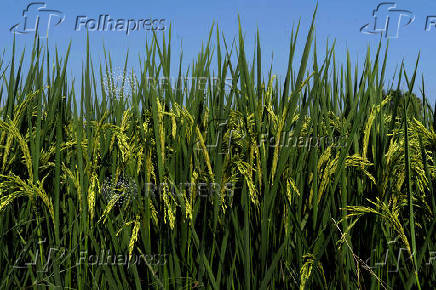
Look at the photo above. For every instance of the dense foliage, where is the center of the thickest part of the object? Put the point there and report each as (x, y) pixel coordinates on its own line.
(326, 180)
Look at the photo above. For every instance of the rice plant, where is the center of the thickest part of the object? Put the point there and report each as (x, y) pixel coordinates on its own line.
(183, 186)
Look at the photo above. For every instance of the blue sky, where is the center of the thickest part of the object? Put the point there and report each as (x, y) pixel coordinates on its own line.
(191, 21)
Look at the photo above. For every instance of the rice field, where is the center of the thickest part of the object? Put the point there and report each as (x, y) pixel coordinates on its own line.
(324, 180)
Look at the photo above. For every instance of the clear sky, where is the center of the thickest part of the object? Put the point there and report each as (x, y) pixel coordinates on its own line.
(191, 20)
